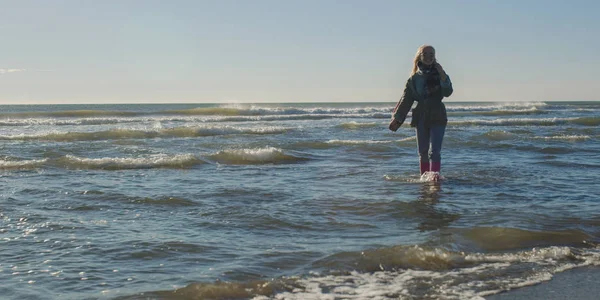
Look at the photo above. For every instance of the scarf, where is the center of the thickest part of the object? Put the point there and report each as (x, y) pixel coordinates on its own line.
(432, 78)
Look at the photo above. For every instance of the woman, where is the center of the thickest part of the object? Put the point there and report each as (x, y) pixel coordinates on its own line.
(428, 84)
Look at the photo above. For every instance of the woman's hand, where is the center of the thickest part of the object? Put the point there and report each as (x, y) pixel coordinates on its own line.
(394, 125)
(441, 71)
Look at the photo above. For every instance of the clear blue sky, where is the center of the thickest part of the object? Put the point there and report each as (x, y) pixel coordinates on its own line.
(131, 51)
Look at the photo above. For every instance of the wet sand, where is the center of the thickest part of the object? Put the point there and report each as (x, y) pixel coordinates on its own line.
(576, 284)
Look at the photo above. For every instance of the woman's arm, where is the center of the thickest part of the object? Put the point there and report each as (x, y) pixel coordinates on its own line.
(402, 108)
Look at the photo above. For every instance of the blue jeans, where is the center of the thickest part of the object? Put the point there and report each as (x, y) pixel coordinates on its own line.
(430, 136)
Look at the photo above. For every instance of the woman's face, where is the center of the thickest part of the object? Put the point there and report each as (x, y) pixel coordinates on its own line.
(428, 56)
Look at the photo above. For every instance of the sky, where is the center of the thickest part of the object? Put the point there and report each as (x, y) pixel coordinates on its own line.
(226, 51)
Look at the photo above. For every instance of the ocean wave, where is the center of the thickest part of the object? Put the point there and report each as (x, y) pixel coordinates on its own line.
(356, 125)
(72, 122)
(254, 112)
(513, 122)
(571, 138)
(491, 107)
(299, 117)
(198, 131)
(255, 156)
(549, 150)
(103, 197)
(586, 121)
(69, 114)
(84, 136)
(21, 164)
(357, 142)
(210, 111)
(506, 238)
(363, 145)
(503, 112)
(414, 271)
(180, 161)
(469, 282)
(164, 200)
(312, 145)
(166, 119)
(233, 110)
(407, 139)
(497, 135)
(113, 134)
(55, 122)
(223, 113)
(329, 144)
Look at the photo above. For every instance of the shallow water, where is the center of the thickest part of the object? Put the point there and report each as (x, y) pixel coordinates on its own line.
(292, 201)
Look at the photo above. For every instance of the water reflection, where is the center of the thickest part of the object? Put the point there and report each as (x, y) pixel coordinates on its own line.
(426, 207)
(430, 193)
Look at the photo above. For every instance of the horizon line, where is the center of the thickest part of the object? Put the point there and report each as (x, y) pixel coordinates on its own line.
(291, 102)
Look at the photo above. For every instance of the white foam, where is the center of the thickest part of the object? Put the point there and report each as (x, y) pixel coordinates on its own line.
(357, 125)
(254, 156)
(521, 106)
(491, 274)
(136, 162)
(535, 255)
(513, 122)
(565, 137)
(408, 139)
(356, 142)
(18, 164)
(431, 177)
(253, 109)
(256, 153)
(221, 130)
(377, 286)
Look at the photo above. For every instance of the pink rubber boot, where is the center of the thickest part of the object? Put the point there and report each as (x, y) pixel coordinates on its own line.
(436, 166)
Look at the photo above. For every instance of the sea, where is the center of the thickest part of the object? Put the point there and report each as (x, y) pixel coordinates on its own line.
(292, 201)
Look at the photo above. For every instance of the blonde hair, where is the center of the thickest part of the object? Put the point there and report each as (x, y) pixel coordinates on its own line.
(418, 58)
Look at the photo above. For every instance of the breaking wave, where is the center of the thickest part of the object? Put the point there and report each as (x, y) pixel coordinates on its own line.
(510, 258)
(181, 161)
(21, 164)
(112, 134)
(267, 155)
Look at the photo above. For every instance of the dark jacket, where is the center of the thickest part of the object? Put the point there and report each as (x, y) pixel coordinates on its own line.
(429, 99)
